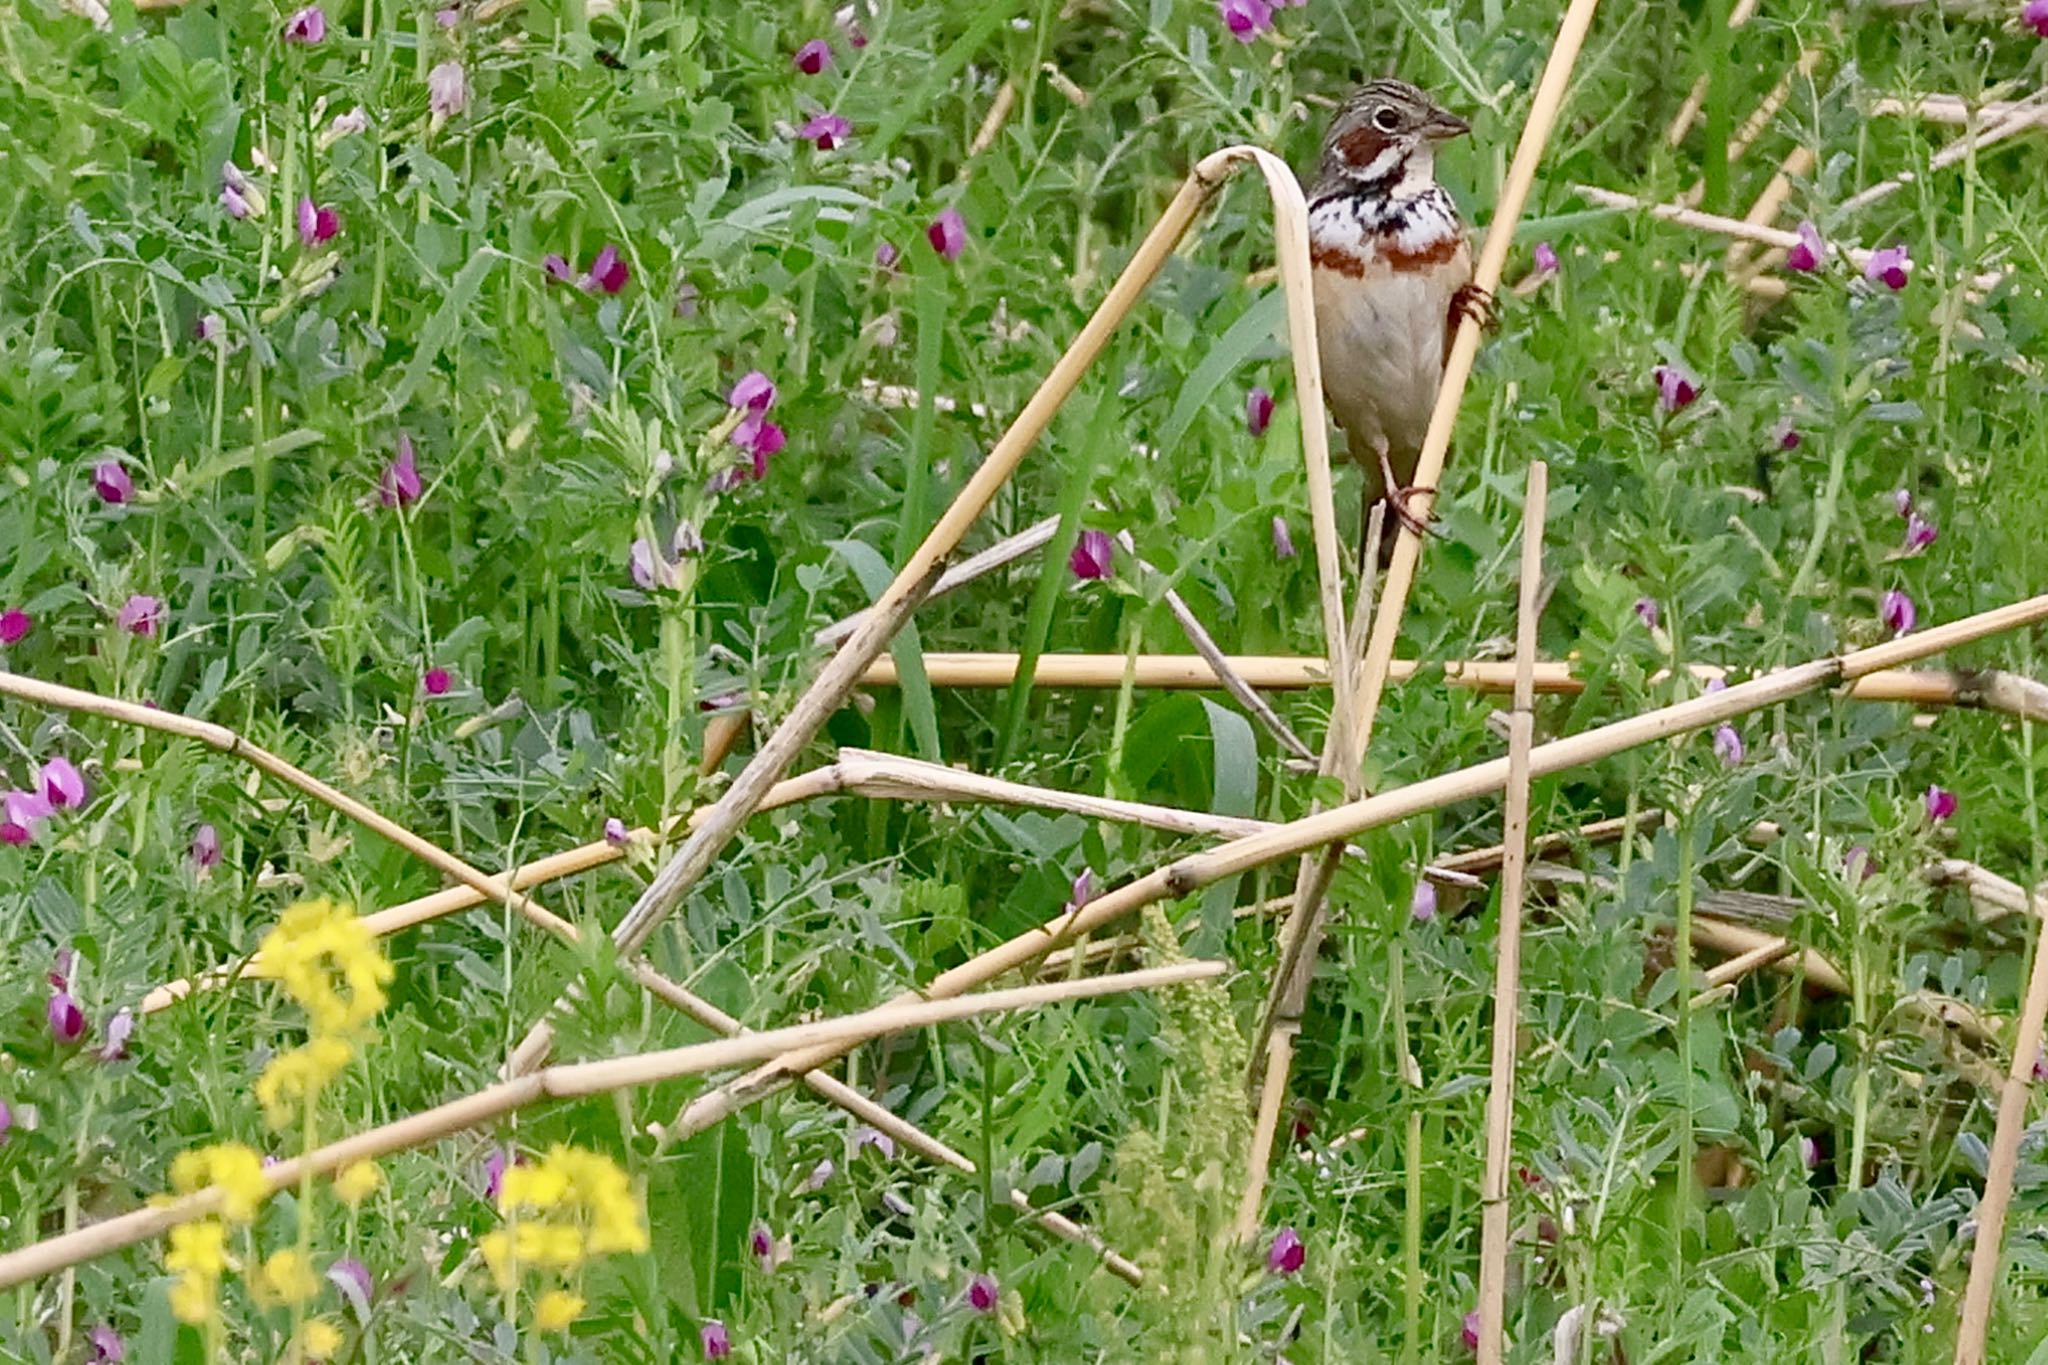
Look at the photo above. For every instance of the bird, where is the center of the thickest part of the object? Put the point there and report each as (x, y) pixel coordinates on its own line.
(1392, 271)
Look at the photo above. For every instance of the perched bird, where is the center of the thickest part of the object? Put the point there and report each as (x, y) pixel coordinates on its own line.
(1393, 271)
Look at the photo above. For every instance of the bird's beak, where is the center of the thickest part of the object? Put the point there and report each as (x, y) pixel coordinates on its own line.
(1444, 125)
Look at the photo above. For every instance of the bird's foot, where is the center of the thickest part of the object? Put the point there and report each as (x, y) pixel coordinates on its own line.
(1410, 520)
(1478, 305)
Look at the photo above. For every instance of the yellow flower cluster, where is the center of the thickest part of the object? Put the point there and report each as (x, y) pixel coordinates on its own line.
(284, 1280)
(199, 1250)
(330, 964)
(295, 1079)
(236, 1169)
(561, 1211)
(198, 1255)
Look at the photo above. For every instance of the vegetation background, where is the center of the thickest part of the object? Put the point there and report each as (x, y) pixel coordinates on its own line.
(206, 393)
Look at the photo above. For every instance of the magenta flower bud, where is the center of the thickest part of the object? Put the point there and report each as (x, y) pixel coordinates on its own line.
(1422, 901)
(716, 1341)
(982, 1294)
(754, 393)
(813, 57)
(1283, 539)
(1810, 251)
(820, 1173)
(119, 1029)
(399, 485)
(1544, 257)
(1940, 802)
(435, 682)
(308, 26)
(352, 1278)
(1286, 1255)
(61, 784)
(1920, 533)
(886, 255)
(615, 832)
(2041, 1066)
(826, 129)
(67, 1020)
(1677, 387)
(1897, 612)
(234, 202)
(447, 90)
(1858, 865)
(1082, 891)
(1902, 503)
(1728, 745)
(557, 268)
(449, 17)
(107, 1346)
(1246, 19)
(761, 439)
(140, 615)
(948, 234)
(208, 327)
(1468, 1331)
(21, 814)
(2034, 14)
(1093, 556)
(494, 1171)
(864, 1136)
(1889, 267)
(608, 272)
(317, 223)
(1788, 435)
(849, 25)
(112, 483)
(761, 1243)
(205, 851)
(1258, 411)
(1809, 1152)
(15, 624)
(6, 1121)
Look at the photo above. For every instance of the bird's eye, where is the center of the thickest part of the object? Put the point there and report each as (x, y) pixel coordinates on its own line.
(1386, 120)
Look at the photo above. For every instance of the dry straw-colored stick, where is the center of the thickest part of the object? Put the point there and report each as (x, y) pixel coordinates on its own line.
(572, 1081)
(1759, 119)
(1192, 873)
(1006, 551)
(1949, 109)
(1798, 162)
(1696, 98)
(1507, 972)
(2031, 112)
(1988, 1248)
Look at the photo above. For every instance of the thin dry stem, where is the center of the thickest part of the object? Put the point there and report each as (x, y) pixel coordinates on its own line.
(2031, 112)
(1006, 551)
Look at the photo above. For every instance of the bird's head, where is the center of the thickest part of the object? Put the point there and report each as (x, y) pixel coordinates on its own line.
(1384, 134)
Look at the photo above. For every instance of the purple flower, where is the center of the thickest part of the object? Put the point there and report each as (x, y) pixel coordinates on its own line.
(1788, 435)
(61, 784)
(885, 255)
(607, 273)
(615, 832)
(1810, 251)
(754, 393)
(21, 813)
(1897, 612)
(67, 1020)
(234, 198)
(813, 57)
(449, 17)
(1858, 865)
(2035, 16)
(308, 26)
(820, 1173)
(317, 224)
(15, 624)
(352, 1278)
(494, 1171)
(205, 852)
(761, 439)
(1422, 901)
(1283, 539)
(1809, 1152)
(1727, 745)
(107, 1346)
(399, 484)
(1902, 502)
(2040, 1066)
(1677, 387)
(1246, 19)
(112, 483)
(1082, 891)
(1544, 256)
(557, 267)
(60, 969)
(6, 1121)
(1258, 411)
(1920, 533)
(717, 1342)
(1889, 267)
(1286, 1255)
(1940, 802)
(1093, 555)
(856, 37)
(119, 1029)
(948, 234)
(447, 90)
(767, 1252)
(864, 1136)
(140, 614)
(1468, 1331)
(208, 327)
(435, 682)
(826, 129)
(982, 1294)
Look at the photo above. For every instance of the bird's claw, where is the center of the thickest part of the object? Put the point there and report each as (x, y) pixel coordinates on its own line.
(1476, 304)
(1409, 519)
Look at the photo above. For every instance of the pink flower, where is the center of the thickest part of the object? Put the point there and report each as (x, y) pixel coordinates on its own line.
(1940, 802)
(308, 26)
(1897, 612)
(1728, 745)
(1809, 1152)
(826, 129)
(21, 813)
(107, 1346)
(948, 234)
(1246, 19)
(1286, 1255)
(1889, 267)
(885, 255)
(813, 57)
(234, 197)
(982, 1294)
(112, 483)
(1543, 256)
(436, 682)
(768, 1253)
(1810, 251)
(205, 851)
(140, 615)
(494, 1170)
(848, 24)
(6, 1121)
(1902, 502)
(1258, 411)
(716, 1341)
(399, 484)
(352, 1278)
(761, 439)
(208, 327)
(119, 1029)
(61, 784)
(607, 273)
(864, 1136)
(1920, 533)
(1646, 612)
(1468, 1331)
(1788, 435)
(1422, 901)
(316, 224)
(449, 17)
(1858, 865)
(2035, 16)
(754, 393)
(1093, 556)
(447, 90)
(67, 1020)
(557, 267)
(1081, 892)
(1677, 387)
(1283, 539)
(649, 568)
(15, 624)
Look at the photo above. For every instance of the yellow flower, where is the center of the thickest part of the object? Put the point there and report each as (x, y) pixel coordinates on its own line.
(319, 1338)
(330, 964)
(497, 1249)
(556, 1309)
(284, 1278)
(235, 1169)
(357, 1181)
(295, 1079)
(560, 1211)
(198, 1255)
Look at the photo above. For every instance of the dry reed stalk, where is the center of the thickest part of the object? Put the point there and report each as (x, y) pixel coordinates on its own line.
(1735, 940)
(1696, 98)
(1949, 109)
(1759, 120)
(1006, 551)
(1987, 1249)
(572, 1081)
(1798, 162)
(993, 121)
(1721, 978)
(1195, 871)
(2031, 112)
(1507, 974)
(832, 685)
